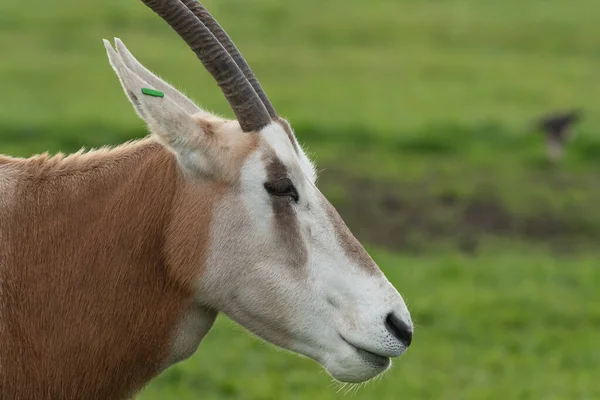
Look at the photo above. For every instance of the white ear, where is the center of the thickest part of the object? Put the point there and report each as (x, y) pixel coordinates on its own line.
(137, 68)
(175, 127)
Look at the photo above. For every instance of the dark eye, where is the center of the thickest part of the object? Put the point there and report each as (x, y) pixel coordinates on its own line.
(282, 188)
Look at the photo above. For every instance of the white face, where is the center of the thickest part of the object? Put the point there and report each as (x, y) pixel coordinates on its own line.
(288, 269)
(280, 260)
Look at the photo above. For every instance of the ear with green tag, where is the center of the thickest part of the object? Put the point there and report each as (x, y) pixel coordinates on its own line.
(166, 119)
(154, 81)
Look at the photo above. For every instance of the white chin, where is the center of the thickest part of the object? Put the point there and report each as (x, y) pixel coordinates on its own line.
(358, 367)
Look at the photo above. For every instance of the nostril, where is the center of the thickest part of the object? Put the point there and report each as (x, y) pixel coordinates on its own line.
(399, 329)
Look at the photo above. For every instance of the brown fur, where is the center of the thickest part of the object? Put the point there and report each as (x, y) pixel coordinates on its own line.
(91, 289)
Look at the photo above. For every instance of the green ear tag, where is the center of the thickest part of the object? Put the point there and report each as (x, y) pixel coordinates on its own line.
(152, 92)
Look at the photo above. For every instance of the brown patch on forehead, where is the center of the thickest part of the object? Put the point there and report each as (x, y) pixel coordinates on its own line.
(275, 168)
(287, 228)
(229, 146)
(354, 250)
(288, 130)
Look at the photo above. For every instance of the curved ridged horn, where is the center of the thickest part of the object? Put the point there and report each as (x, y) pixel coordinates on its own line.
(207, 19)
(249, 109)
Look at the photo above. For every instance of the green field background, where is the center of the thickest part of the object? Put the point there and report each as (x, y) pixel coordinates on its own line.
(420, 115)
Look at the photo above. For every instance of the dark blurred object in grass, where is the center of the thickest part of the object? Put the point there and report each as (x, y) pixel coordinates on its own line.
(558, 130)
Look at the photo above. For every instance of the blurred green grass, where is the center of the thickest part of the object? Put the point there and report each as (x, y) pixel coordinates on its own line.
(384, 65)
(427, 98)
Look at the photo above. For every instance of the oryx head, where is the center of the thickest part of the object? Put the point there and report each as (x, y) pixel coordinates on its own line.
(262, 244)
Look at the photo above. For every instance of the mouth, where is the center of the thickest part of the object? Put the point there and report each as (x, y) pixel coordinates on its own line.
(372, 358)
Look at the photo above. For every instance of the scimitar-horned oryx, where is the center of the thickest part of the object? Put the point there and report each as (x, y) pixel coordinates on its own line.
(115, 262)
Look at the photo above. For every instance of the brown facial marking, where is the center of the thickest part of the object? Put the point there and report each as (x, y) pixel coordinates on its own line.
(286, 222)
(288, 130)
(354, 250)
